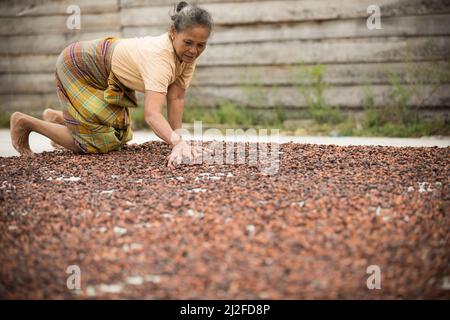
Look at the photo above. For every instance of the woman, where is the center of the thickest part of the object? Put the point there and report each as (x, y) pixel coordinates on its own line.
(96, 82)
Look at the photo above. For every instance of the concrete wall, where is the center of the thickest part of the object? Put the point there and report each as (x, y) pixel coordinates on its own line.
(254, 54)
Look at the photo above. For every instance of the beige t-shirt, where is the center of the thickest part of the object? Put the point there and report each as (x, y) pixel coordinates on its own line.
(150, 63)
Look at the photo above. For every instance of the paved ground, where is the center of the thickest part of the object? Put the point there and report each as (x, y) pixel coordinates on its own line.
(40, 143)
(136, 229)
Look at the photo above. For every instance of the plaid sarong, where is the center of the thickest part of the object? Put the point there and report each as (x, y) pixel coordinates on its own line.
(94, 102)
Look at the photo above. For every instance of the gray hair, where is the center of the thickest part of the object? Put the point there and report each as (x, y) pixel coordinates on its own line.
(187, 16)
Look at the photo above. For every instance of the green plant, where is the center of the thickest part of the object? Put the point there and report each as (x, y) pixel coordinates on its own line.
(259, 95)
(193, 113)
(137, 118)
(280, 114)
(400, 97)
(372, 117)
(400, 115)
(230, 113)
(311, 85)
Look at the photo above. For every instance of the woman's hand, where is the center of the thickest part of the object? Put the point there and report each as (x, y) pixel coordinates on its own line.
(184, 153)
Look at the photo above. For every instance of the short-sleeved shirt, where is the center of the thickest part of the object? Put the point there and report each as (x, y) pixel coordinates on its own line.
(150, 63)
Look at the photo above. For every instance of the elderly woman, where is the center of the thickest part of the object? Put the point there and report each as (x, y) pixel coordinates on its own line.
(96, 82)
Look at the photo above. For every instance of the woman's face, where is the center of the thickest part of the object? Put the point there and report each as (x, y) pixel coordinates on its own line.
(190, 43)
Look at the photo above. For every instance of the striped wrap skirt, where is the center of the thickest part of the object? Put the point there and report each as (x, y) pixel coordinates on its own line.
(95, 104)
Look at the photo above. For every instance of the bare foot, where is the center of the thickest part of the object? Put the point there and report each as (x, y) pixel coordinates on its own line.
(53, 116)
(20, 134)
(55, 145)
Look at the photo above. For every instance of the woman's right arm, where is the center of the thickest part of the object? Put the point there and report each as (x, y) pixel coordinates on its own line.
(181, 151)
(153, 105)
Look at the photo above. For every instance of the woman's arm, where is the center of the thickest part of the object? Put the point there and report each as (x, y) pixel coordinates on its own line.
(175, 105)
(153, 104)
(181, 151)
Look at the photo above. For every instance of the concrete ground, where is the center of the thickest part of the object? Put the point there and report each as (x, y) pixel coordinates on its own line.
(39, 143)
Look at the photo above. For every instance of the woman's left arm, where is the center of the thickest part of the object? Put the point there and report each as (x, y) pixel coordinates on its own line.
(175, 105)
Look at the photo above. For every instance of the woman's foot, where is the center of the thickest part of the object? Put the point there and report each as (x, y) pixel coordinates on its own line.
(53, 116)
(55, 145)
(20, 133)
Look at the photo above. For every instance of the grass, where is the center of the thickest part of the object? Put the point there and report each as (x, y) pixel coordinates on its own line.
(398, 116)
(229, 115)
(418, 129)
(233, 115)
(137, 118)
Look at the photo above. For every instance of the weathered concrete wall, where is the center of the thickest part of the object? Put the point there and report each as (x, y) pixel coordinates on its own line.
(258, 43)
